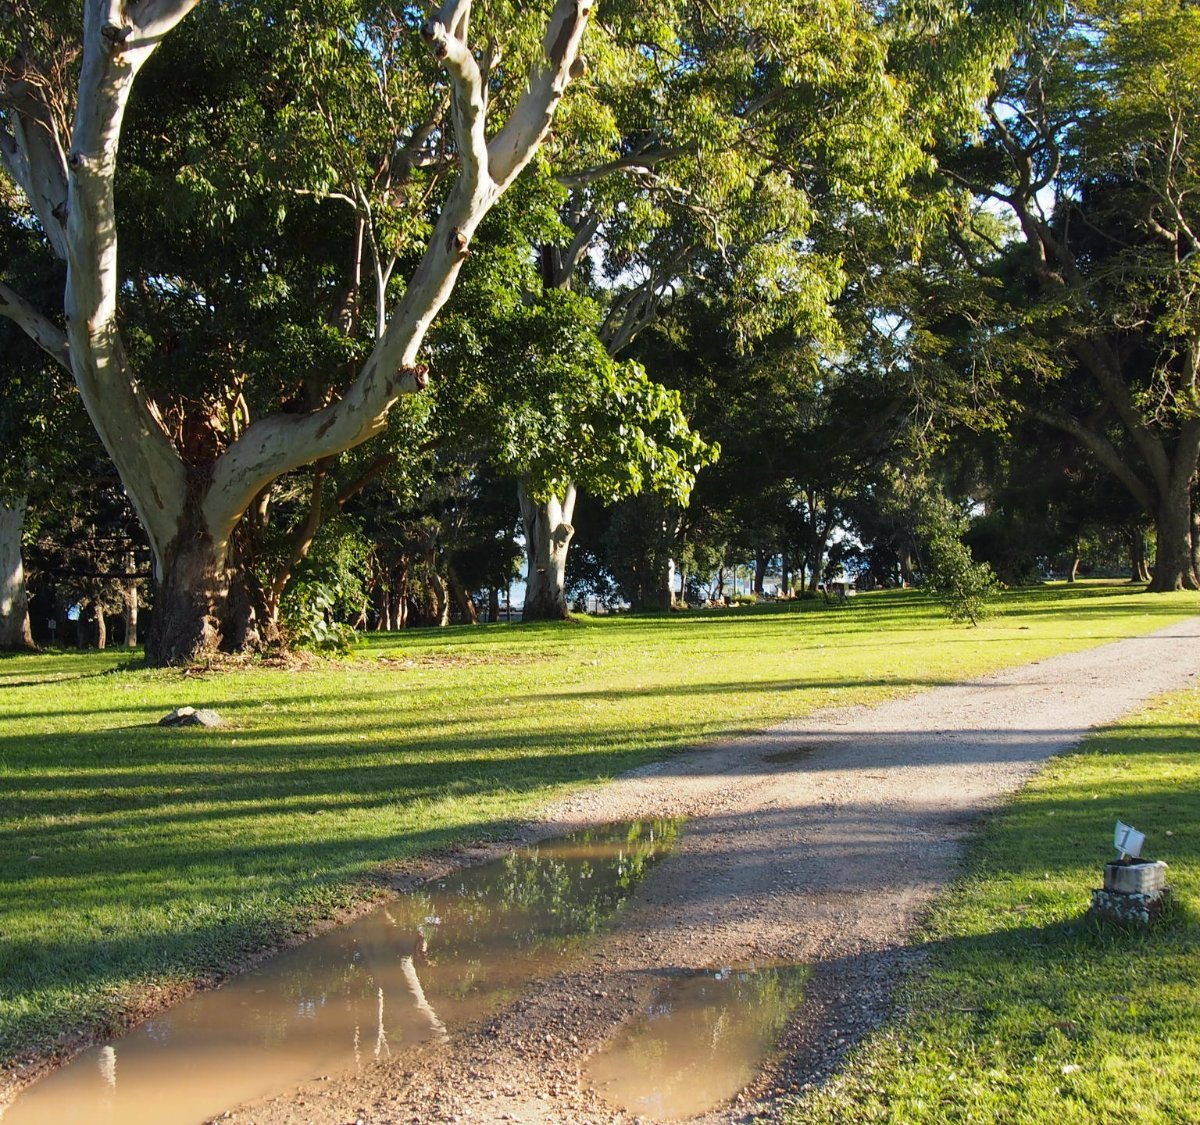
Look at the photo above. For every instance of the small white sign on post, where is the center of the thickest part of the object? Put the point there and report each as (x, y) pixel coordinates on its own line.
(1128, 841)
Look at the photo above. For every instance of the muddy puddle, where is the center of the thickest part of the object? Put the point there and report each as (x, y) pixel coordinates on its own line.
(399, 977)
(698, 1043)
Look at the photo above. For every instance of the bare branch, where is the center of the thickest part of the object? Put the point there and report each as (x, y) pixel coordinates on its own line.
(512, 148)
(637, 163)
(36, 325)
(1103, 450)
(152, 19)
(446, 33)
(34, 156)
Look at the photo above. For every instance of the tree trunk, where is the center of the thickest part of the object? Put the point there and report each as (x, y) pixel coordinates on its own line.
(785, 584)
(203, 603)
(467, 612)
(14, 603)
(493, 609)
(1139, 572)
(548, 533)
(440, 600)
(1196, 532)
(101, 626)
(661, 583)
(131, 605)
(1073, 574)
(760, 570)
(1174, 563)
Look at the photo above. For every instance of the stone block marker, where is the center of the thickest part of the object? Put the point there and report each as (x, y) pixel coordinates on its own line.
(191, 717)
(1134, 892)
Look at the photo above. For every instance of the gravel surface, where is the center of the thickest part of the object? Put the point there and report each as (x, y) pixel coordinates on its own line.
(817, 842)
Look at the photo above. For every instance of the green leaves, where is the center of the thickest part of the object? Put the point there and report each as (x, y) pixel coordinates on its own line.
(535, 386)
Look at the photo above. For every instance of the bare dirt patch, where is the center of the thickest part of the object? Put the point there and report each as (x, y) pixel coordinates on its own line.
(818, 842)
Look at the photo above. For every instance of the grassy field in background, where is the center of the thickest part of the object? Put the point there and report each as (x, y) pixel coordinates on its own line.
(1027, 1013)
(133, 855)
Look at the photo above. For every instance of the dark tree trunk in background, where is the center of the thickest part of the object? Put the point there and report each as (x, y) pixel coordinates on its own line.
(1196, 532)
(1174, 561)
(1139, 572)
(467, 612)
(761, 561)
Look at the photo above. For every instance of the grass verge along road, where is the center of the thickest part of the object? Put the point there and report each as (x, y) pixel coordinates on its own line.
(1026, 1012)
(135, 860)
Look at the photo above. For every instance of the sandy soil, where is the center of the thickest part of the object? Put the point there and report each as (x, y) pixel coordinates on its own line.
(819, 841)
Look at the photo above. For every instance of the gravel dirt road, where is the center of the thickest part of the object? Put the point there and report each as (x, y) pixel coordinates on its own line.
(818, 842)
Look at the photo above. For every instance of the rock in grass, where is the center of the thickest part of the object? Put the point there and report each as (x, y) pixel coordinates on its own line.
(190, 717)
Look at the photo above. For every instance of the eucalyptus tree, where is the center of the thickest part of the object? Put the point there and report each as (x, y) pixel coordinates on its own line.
(1092, 148)
(59, 139)
(688, 185)
(740, 140)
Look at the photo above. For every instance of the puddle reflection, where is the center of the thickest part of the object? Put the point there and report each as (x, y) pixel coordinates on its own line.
(701, 1040)
(400, 976)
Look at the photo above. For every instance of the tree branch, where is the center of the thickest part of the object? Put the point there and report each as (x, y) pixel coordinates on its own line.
(151, 469)
(1103, 450)
(446, 33)
(636, 162)
(529, 122)
(276, 444)
(37, 326)
(34, 157)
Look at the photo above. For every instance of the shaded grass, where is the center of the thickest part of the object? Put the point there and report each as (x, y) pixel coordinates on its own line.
(133, 856)
(1027, 1011)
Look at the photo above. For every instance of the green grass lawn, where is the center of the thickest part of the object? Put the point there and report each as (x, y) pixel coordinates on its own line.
(1027, 1012)
(133, 856)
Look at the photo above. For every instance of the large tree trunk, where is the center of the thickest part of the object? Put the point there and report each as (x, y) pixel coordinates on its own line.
(1174, 562)
(1196, 531)
(548, 533)
(14, 604)
(205, 602)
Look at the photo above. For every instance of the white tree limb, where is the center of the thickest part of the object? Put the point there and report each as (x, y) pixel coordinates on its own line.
(447, 35)
(513, 147)
(34, 157)
(280, 443)
(36, 325)
(155, 477)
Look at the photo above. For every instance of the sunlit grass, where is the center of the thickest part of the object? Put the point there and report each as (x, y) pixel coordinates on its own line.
(132, 854)
(1029, 1013)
